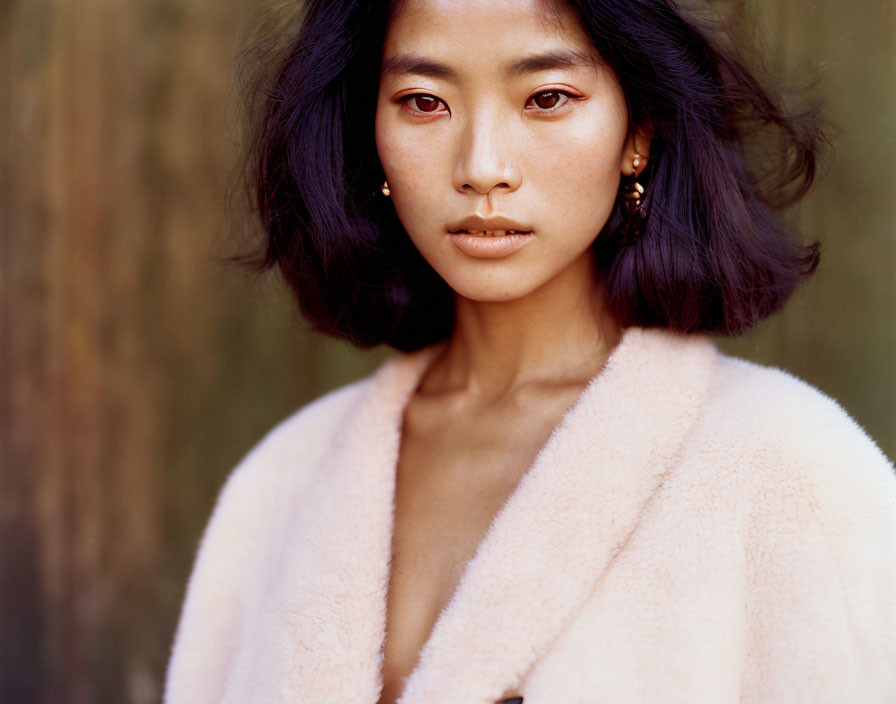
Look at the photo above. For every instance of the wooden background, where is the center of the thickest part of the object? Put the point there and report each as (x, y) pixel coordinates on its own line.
(137, 369)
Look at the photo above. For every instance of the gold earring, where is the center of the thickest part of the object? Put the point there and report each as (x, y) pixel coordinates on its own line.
(633, 227)
(385, 189)
(634, 190)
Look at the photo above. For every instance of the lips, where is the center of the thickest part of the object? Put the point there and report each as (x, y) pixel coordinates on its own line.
(490, 244)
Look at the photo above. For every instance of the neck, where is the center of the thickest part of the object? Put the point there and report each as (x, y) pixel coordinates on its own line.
(560, 332)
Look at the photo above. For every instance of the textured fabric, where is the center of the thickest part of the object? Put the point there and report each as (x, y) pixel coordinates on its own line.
(698, 528)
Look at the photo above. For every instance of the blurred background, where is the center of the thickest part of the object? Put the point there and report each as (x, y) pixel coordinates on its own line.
(137, 368)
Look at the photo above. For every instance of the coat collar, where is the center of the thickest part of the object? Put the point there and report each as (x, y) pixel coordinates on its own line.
(543, 554)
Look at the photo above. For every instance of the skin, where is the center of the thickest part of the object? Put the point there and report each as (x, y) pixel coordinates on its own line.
(531, 328)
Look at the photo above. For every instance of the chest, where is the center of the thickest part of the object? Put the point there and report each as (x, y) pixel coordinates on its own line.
(452, 479)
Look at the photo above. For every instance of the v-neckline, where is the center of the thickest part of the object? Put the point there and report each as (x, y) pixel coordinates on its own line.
(427, 357)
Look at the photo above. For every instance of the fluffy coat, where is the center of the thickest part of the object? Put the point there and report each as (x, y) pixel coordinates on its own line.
(697, 528)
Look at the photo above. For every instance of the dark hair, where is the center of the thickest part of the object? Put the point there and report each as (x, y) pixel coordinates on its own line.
(713, 256)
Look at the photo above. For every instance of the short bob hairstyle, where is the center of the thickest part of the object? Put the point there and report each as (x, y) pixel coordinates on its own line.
(712, 257)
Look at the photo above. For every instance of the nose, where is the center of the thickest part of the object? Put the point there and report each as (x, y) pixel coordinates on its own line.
(486, 160)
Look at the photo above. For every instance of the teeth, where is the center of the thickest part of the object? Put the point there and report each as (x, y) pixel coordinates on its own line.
(491, 233)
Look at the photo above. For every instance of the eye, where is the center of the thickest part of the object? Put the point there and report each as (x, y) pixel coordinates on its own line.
(549, 100)
(422, 103)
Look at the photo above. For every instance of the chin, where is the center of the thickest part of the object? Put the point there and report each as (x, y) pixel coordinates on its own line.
(492, 289)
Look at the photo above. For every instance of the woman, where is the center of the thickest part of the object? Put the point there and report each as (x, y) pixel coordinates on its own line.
(561, 491)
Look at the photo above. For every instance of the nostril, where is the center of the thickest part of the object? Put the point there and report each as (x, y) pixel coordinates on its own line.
(512, 700)
(485, 190)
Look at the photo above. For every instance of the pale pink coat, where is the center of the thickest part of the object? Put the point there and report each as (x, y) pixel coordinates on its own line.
(698, 528)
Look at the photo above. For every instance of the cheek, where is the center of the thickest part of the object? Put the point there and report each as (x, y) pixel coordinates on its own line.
(580, 170)
(405, 159)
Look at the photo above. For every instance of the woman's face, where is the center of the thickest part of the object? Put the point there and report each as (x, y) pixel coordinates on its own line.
(491, 109)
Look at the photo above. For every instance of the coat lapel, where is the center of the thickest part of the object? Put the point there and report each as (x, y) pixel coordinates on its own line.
(542, 556)
(325, 612)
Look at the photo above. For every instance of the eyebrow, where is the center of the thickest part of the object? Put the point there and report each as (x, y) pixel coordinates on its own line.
(403, 64)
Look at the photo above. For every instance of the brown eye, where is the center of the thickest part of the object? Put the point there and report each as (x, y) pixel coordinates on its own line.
(425, 103)
(547, 100)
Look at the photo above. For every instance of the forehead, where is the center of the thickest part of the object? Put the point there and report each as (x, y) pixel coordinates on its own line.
(485, 30)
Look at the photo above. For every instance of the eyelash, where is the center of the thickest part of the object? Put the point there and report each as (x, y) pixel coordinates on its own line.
(567, 95)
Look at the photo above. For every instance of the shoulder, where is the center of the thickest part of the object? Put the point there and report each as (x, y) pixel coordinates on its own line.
(777, 409)
(258, 489)
(285, 454)
(794, 445)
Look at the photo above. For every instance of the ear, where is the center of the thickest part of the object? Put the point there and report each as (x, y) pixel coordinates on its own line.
(637, 142)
